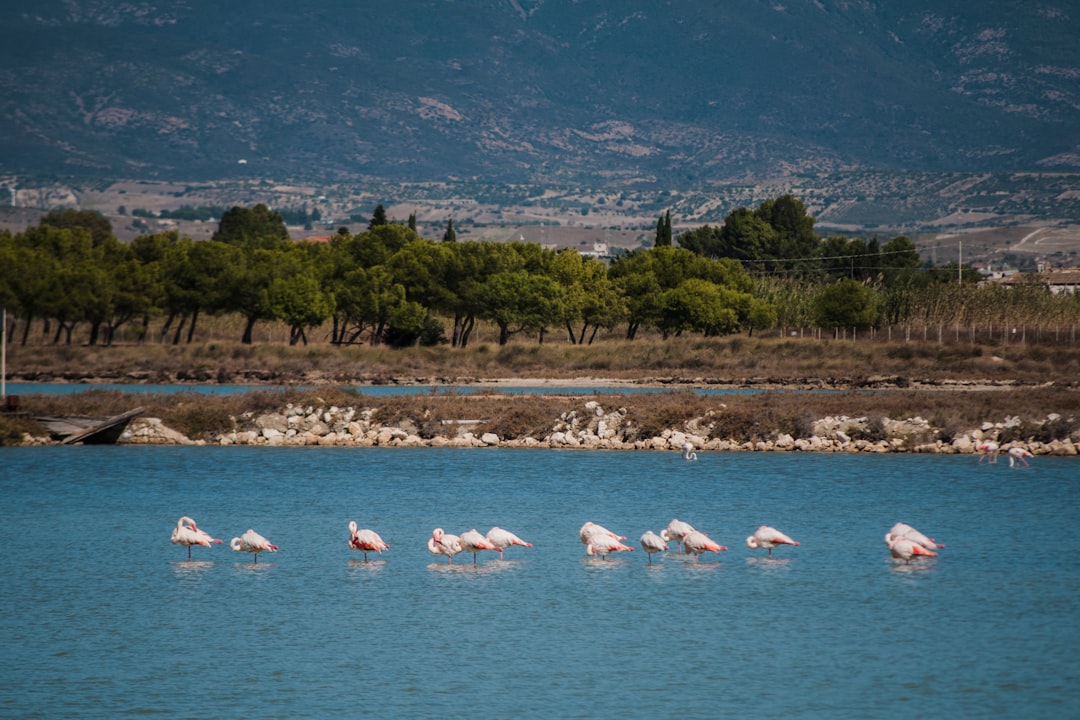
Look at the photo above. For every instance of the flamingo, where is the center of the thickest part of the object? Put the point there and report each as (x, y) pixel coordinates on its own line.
(988, 449)
(472, 541)
(904, 548)
(441, 543)
(697, 543)
(252, 542)
(1018, 454)
(602, 544)
(904, 530)
(590, 528)
(676, 530)
(768, 538)
(502, 539)
(187, 533)
(688, 451)
(365, 540)
(652, 543)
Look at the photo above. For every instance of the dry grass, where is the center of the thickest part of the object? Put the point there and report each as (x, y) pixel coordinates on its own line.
(1039, 379)
(825, 363)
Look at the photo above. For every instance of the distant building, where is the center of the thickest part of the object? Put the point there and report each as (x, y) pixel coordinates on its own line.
(600, 252)
(1058, 281)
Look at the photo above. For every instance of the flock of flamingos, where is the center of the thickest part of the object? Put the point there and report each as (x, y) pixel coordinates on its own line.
(904, 542)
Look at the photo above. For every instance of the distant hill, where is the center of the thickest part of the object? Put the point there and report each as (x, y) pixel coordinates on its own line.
(605, 92)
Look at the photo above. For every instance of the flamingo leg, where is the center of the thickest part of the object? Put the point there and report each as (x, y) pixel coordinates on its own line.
(188, 552)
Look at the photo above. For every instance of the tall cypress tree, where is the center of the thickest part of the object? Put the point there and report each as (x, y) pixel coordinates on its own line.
(663, 230)
(378, 217)
(450, 235)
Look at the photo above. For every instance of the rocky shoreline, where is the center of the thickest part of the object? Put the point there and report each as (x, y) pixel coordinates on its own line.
(591, 427)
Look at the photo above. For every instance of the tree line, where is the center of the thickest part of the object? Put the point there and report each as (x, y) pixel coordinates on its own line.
(763, 268)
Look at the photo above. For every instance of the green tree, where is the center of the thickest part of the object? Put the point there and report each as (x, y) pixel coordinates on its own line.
(746, 237)
(794, 229)
(846, 303)
(197, 276)
(258, 226)
(449, 235)
(31, 273)
(663, 230)
(92, 221)
(299, 300)
(704, 241)
(519, 301)
(697, 305)
(378, 217)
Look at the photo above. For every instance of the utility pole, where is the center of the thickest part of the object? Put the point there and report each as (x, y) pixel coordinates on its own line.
(960, 265)
(3, 359)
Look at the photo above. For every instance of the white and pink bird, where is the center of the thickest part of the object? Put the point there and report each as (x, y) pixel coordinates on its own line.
(365, 540)
(904, 530)
(602, 544)
(186, 533)
(252, 542)
(441, 543)
(904, 548)
(768, 538)
(697, 542)
(676, 531)
(1020, 455)
(472, 541)
(653, 543)
(503, 539)
(590, 529)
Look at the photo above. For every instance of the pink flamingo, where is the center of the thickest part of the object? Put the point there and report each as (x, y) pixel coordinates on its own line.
(472, 541)
(1018, 454)
(653, 543)
(503, 539)
(591, 529)
(441, 543)
(904, 530)
(987, 449)
(676, 530)
(697, 543)
(602, 544)
(365, 540)
(187, 533)
(768, 538)
(252, 542)
(904, 548)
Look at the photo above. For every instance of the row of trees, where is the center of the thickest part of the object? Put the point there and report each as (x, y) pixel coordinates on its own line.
(389, 285)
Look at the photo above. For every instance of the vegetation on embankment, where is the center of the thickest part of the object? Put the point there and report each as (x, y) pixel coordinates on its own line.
(735, 360)
(955, 387)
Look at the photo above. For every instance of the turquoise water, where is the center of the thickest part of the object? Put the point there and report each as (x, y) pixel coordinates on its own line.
(103, 617)
(374, 390)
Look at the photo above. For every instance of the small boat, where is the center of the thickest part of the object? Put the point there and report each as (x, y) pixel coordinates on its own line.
(71, 429)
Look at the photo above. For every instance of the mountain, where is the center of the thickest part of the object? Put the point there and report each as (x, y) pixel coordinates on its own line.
(601, 92)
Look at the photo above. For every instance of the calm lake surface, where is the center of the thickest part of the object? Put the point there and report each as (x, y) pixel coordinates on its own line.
(103, 617)
(373, 390)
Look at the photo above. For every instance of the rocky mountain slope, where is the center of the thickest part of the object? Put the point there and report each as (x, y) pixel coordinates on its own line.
(677, 93)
